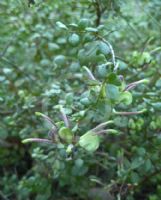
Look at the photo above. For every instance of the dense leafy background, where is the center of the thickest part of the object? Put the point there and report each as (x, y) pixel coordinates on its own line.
(43, 48)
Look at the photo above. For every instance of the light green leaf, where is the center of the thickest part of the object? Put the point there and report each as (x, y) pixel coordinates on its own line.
(66, 134)
(69, 148)
(126, 98)
(89, 141)
(61, 25)
(90, 29)
(73, 25)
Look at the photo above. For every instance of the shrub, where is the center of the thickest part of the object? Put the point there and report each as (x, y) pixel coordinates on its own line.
(91, 71)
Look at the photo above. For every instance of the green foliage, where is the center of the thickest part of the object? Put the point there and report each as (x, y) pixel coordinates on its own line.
(94, 68)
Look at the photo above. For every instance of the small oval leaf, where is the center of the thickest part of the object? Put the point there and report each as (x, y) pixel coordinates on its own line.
(74, 39)
(66, 134)
(89, 141)
(61, 25)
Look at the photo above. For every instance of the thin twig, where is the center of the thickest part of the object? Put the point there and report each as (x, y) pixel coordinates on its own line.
(102, 125)
(98, 12)
(90, 75)
(39, 140)
(6, 112)
(129, 113)
(107, 131)
(134, 84)
(48, 119)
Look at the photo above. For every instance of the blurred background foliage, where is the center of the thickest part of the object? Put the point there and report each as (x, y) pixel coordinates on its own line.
(43, 48)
